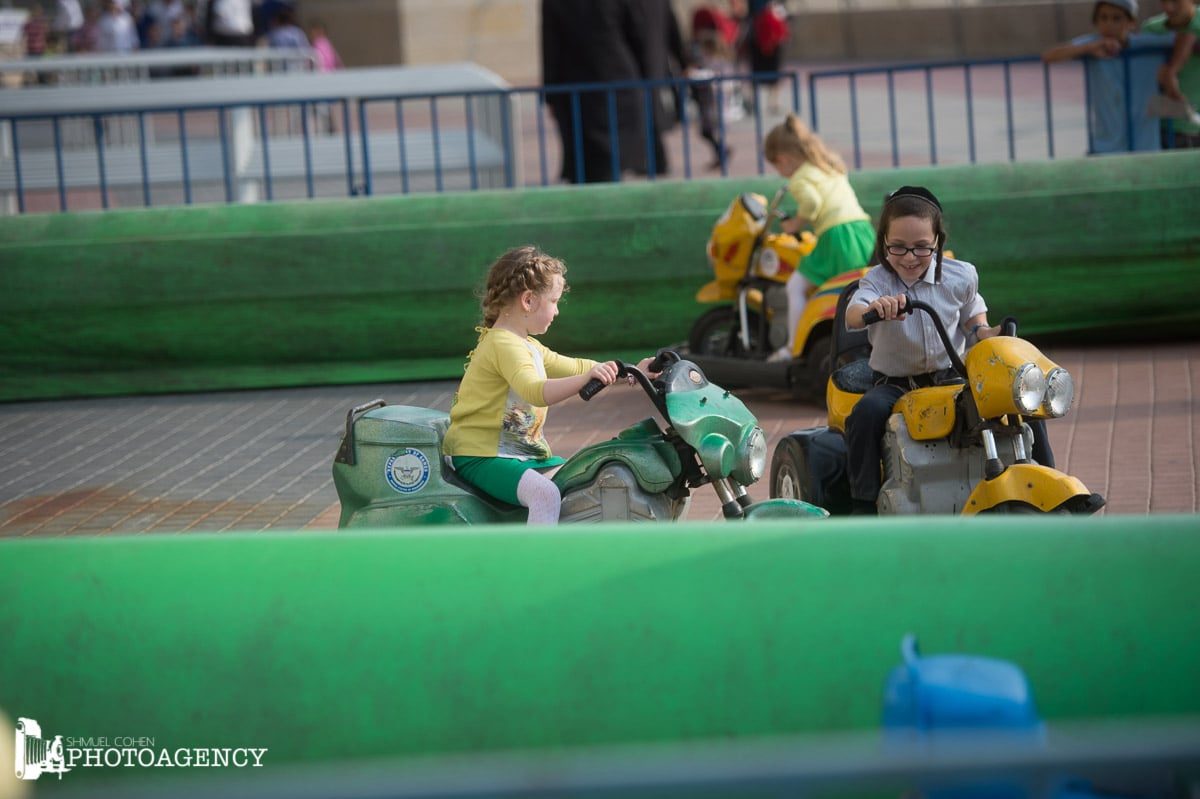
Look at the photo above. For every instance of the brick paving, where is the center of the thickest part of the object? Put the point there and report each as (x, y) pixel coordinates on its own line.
(261, 460)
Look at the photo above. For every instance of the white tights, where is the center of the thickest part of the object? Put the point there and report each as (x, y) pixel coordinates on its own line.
(539, 493)
(798, 288)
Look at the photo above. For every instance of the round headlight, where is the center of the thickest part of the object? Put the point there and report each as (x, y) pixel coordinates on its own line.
(1060, 391)
(752, 457)
(1029, 386)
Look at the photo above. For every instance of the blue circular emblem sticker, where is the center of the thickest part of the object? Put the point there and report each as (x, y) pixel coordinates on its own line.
(408, 471)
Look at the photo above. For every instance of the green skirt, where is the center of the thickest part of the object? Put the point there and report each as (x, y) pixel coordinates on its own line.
(843, 247)
(498, 477)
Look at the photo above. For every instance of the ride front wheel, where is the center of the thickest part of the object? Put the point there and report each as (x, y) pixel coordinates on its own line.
(716, 333)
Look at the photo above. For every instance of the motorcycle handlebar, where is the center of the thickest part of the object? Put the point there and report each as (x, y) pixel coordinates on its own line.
(594, 386)
(873, 316)
(660, 363)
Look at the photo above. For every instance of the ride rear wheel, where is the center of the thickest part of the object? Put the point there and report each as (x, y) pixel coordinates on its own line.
(714, 333)
(790, 473)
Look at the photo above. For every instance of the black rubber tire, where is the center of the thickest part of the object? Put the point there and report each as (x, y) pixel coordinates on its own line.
(790, 473)
(710, 333)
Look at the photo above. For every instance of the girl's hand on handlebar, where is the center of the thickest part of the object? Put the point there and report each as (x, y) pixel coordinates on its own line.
(644, 367)
(605, 372)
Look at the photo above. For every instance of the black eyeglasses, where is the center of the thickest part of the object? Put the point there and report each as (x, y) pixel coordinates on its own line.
(920, 252)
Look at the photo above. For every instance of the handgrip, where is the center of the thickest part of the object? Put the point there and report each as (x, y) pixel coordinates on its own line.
(872, 316)
(593, 386)
(590, 390)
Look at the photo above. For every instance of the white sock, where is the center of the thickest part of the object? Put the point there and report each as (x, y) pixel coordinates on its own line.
(539, 493)
(797, 297)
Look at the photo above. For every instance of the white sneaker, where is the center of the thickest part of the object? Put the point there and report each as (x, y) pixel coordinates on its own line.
(781, 355)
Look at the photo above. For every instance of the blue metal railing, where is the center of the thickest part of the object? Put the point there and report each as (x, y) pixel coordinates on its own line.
(1029, 91)
(893, 115)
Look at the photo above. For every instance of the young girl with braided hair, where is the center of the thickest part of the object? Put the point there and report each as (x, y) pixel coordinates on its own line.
(825, 200)
(496, 437)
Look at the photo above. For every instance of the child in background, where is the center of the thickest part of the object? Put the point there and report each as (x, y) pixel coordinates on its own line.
(328, 59)
(496, 439)
(714, 35)
(825, 200)
(1111, 114)
(36, 31)
(1180, 77)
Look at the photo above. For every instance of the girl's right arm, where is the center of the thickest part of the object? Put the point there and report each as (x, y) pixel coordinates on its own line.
(557, 389)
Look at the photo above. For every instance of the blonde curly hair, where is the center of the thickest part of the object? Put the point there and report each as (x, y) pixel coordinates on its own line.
(519, 270)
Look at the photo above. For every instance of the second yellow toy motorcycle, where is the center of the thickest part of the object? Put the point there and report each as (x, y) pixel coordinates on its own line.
(751, 264)
(961, 448)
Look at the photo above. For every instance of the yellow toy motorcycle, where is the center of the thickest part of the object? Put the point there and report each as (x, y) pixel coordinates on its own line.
(960, 448)
(751, 264)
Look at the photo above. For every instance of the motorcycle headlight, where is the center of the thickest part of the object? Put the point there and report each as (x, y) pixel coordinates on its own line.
(1029, 386)
(752, 457)
(1060, 392)
(716, 453)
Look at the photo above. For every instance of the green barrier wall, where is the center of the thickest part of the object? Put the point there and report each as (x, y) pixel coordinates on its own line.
(355, 645)
(171, 299)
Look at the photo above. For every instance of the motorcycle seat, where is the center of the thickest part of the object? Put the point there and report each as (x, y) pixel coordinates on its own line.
(856, 377)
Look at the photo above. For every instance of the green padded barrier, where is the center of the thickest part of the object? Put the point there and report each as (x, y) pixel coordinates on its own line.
(382, 289)
(330, 646)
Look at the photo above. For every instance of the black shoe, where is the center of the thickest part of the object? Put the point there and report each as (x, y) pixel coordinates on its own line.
(863, 507)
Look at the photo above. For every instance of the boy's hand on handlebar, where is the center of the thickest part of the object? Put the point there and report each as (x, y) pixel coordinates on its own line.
(889, 308)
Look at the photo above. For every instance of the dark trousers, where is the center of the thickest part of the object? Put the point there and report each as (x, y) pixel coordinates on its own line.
(864, 440)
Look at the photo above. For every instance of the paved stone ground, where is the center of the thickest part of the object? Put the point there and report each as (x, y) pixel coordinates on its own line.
(261, 460)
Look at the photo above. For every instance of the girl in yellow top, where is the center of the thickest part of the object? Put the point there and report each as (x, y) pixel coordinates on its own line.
(825, 200)
(496, 436)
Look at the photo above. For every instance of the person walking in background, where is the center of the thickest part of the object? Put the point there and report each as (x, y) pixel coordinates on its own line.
(1180, 77)
(328, 59)
(87, 38)
(714, 35)
(228, 23)
(283, 31)
(36, 32)
(769, 32)
(68, 19)
(1113, 113)
(163, 13)
(586, 41)
(116, 32)
(825, 200)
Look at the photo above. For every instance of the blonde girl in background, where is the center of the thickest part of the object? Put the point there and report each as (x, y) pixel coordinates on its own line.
(826, 201)
(496, 439)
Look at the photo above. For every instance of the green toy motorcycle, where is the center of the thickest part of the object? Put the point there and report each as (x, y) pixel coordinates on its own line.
(389, 469)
